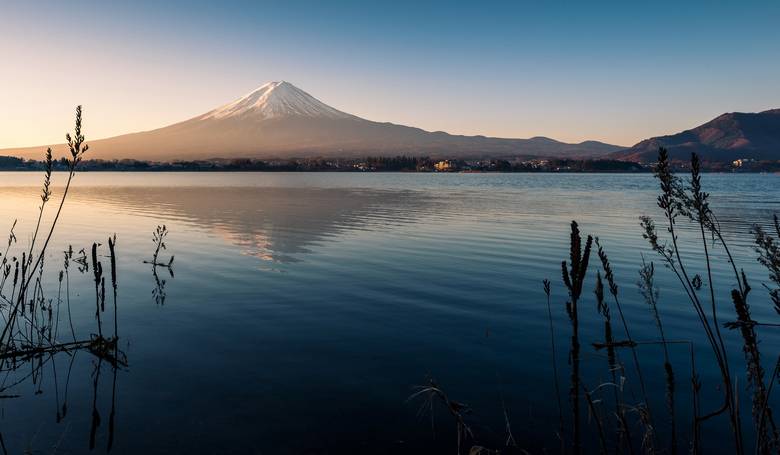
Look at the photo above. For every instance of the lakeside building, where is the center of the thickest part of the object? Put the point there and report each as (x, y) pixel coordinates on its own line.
(446, 166)
(741, 162)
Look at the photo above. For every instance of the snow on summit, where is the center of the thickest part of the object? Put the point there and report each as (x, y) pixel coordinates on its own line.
(278, 120)
(276, 99)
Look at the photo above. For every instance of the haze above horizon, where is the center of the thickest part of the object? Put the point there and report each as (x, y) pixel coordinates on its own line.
(612, 72)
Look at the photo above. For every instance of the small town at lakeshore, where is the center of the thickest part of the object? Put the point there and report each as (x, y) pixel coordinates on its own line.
(386, 164)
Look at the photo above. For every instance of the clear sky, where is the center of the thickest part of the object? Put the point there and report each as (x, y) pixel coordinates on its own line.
(612, 71)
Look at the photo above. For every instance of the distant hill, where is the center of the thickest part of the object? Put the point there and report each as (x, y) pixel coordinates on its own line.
(728, 137)
(279, 120)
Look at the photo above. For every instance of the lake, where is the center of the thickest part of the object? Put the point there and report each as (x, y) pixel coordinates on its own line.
(304, 308)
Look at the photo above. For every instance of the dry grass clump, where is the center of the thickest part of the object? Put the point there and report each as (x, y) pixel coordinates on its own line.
(31, 335)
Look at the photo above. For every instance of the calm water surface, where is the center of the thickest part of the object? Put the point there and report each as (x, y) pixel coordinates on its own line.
(306, 307)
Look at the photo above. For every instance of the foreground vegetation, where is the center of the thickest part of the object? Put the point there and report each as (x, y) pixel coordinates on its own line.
(616, 416)
(34, 327)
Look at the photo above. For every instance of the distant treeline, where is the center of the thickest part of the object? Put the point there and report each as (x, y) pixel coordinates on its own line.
(372, 164)
(369, 164)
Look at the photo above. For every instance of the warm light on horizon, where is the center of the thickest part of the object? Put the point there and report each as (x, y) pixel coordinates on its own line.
(514, 71)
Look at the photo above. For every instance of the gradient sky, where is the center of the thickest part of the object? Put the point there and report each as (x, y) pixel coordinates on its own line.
(611, 71)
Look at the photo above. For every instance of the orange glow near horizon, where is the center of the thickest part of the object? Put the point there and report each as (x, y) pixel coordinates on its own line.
(514, 70)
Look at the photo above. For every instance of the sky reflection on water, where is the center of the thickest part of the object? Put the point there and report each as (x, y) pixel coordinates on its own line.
(305, 307)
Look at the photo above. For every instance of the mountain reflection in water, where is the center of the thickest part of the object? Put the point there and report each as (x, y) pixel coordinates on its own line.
(273, 224)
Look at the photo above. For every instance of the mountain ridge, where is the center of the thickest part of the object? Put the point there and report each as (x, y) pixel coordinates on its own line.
(727, 137)
(279, 120)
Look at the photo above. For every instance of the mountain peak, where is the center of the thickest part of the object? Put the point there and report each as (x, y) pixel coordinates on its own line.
(279, 120)
(275, 99)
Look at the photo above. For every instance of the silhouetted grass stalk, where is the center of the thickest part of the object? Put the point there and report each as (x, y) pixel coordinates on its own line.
(546, 284)
(457, 410)
(603, 309)
(613, 290)
(650, 293)
(670, 202)
(597, 419)
(77, 149)
(573, 278)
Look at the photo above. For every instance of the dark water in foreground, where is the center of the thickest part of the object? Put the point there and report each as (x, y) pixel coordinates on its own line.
(306, 307)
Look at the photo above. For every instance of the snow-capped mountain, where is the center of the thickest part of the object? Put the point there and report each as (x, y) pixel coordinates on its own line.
(276, 99)
(279, 120)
